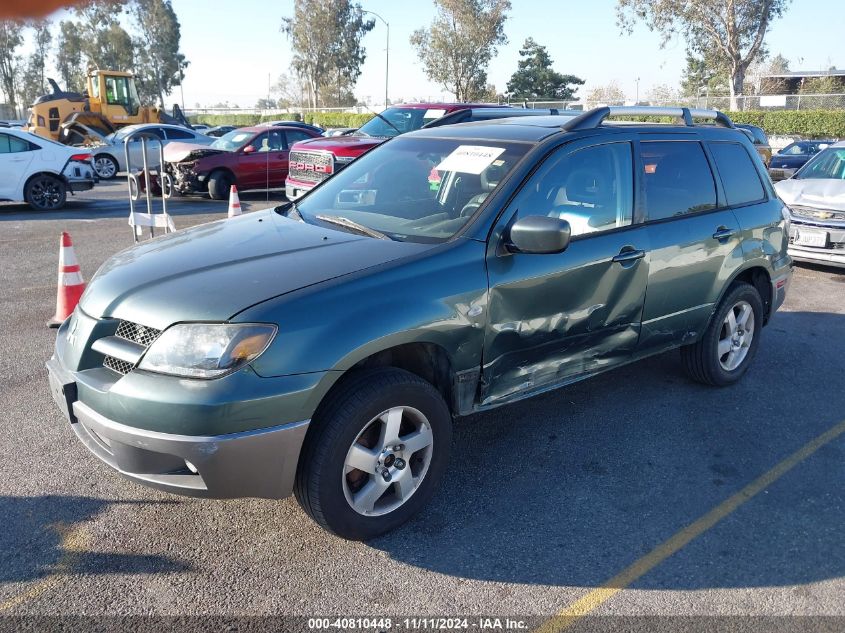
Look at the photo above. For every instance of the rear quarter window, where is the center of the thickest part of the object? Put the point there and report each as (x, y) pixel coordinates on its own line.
(677, 177)
(739, 176)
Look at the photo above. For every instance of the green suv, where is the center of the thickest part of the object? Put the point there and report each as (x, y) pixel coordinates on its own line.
(325, 346)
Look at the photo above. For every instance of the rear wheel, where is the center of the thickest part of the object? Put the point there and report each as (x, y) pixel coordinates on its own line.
(105, 166)
(375, 454)
(45, 192)
(219, 184)
(730, 342)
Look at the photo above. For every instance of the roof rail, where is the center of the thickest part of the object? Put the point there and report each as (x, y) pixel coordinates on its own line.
(595, 117)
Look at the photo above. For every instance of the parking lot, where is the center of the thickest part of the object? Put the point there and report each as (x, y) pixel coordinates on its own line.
(545, 502)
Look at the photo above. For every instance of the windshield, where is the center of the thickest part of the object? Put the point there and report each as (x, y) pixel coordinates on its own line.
(415, 189)
(404, 120)
(829, 163)
(232, 140)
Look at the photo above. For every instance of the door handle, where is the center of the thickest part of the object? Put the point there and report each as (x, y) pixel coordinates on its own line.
(627, 256)
(723, 233)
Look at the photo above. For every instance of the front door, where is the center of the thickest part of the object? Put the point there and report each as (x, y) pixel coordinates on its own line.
(554, 318)
(15, 156)
(265, 166)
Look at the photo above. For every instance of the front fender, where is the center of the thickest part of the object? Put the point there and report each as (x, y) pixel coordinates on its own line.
(438, 297)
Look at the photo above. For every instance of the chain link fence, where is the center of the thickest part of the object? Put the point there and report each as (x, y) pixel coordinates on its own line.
(743, 102)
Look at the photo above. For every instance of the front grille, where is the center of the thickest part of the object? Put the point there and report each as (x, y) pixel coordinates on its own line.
(311, 167)
(140, 334)
(818, 214)
(115, 364)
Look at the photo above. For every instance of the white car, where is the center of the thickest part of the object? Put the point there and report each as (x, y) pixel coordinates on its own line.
(815, 196)
(40, 171)
(110, 158)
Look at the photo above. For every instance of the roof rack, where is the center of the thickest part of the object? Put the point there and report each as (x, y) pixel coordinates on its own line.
(595, 117)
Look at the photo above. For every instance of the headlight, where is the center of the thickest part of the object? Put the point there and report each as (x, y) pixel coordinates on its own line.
(207, 350)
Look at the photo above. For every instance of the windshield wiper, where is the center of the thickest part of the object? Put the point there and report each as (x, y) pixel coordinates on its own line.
(383, 118)
(352, 224)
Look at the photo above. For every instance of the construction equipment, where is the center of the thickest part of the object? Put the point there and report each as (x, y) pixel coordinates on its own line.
(110, 102)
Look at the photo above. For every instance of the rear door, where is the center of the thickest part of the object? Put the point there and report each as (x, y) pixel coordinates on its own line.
(694, 238)
(15, 158)
(555, 317)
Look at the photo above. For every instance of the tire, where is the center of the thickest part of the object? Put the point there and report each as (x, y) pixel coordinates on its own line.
(353, 420)
(219, 184)
(45, 192)
(703, 361)
(105, 166)
(134, 187)
(167, 189)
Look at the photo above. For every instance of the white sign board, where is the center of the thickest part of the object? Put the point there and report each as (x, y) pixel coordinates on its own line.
(470, 159)
(773, 101)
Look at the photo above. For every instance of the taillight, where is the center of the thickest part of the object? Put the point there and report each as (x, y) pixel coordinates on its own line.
(82, 158)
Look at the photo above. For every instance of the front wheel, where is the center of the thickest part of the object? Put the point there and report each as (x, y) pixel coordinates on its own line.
(105, 166)
(730, 342)
(375, 454)
(219, 184)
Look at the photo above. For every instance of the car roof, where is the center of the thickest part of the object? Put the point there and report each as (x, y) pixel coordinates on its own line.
(837, 144)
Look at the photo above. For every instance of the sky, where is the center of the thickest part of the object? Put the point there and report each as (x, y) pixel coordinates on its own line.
(233, 47)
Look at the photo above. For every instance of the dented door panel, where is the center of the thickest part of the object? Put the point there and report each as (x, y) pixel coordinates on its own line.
(556, 317)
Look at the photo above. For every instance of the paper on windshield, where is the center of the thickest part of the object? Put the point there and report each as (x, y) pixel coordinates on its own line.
(470, 159)
(433, 114)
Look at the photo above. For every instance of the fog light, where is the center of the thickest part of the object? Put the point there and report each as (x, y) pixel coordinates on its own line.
(191, 467)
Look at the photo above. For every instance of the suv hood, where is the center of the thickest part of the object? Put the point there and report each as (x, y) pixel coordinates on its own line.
(340, 145)
(177, 152)
(821, 193)
(213, 271)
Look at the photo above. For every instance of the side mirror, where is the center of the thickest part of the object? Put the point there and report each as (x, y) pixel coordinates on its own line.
(249, 149)
(539, 235)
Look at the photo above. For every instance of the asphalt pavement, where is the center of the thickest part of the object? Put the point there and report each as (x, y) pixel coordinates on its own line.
(545, 501)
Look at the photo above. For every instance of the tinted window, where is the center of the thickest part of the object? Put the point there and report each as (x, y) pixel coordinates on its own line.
(13, 144)
(591, 188)
(678, 179)
(294, 136)
(179, 134)
(268, 142)
(739, 176)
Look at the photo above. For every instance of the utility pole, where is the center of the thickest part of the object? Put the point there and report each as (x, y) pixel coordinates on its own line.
(637, 100)
(386, 53)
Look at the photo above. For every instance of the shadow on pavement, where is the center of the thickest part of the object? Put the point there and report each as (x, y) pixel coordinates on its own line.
(572, 487)
(32, 543)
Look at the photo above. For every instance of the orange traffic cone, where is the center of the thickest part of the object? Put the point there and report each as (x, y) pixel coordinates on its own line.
(71, 284)
(234, 202)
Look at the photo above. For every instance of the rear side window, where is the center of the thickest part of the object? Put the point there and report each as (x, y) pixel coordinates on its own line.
(739, 176)
(13, 144)
(179, 134)
(294, 136)
(677, 178)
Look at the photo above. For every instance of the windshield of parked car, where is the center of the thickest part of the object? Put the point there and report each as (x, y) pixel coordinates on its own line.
(233, 140)
(399, 121)
(414, 189)
(829, 163)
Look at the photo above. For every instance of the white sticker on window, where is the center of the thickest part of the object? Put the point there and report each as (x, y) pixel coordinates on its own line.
(470, 159)
(433, 114)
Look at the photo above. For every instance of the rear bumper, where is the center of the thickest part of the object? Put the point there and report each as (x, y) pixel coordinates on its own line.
(80, 184)
(780, 284)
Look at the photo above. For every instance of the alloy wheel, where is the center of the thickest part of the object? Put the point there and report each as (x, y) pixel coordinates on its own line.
(105, 167)
(736, 336)
(388, 461)
(46, 193)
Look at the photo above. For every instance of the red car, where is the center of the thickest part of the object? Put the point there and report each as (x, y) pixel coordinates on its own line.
(249, 157)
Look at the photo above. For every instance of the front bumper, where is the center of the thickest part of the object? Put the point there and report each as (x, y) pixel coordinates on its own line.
(259, 463)
(833, 254)
(295, 189)
(824, 256)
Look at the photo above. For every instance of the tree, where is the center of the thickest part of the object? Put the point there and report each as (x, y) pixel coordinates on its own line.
(265, 103)
(32, 79)
(611, 94)
(11, 37)
(663, 94)
(159, 65)
(703, 75)
(732, 32)
(460, 43)
(69, 57)
(104, 42)
(536, 79)
(291, 90)
(326, 37)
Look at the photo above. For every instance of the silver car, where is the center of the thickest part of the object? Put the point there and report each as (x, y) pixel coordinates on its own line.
(109, 158)
(815, 196)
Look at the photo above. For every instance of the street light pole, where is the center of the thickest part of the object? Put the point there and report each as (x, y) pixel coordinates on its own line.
(386, 53)
(637, 101)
